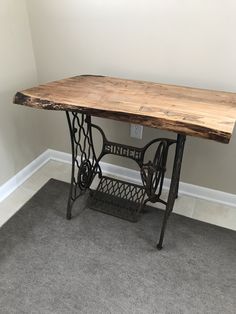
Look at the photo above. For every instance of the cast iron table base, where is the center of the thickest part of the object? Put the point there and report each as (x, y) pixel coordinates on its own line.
(125, 200)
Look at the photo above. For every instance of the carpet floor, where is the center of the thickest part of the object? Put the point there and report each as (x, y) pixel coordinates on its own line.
(97, 263)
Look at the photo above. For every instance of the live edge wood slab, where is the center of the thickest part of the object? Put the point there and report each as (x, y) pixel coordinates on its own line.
(189, 111)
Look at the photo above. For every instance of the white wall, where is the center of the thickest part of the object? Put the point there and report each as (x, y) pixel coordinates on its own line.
(182, 42)
(20, 136)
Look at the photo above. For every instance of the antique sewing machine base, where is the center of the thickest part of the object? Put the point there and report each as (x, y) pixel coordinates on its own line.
(116, 197)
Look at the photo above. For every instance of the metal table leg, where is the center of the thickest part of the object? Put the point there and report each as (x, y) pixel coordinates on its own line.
(84, 161)
(173, 185)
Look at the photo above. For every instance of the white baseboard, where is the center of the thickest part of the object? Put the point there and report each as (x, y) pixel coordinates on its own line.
(11, 185)
(121, 172)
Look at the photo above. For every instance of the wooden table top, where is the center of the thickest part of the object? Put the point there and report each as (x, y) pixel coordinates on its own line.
(190, 111)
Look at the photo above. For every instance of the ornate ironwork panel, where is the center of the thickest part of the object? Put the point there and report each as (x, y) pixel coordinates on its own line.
(121, 189)
(118, 198)
(153, 172)
(84, 161)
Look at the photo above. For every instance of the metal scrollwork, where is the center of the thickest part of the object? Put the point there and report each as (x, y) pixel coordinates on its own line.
(84, 161)
(152, 173)
(85, 174)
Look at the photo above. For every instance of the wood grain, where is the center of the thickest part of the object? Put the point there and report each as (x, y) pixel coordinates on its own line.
(197, 112)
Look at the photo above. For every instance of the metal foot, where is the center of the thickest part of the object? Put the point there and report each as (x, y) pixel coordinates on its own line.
(159, 247)
(68, 216)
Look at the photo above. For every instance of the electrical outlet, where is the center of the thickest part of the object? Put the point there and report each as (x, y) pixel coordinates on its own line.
(136, 131)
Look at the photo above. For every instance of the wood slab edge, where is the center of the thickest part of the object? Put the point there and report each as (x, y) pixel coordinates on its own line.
(174, 126)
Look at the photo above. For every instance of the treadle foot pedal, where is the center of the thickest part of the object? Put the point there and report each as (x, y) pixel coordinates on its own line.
(118, 198)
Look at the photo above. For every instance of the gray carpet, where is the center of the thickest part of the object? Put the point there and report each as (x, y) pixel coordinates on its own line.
(97, 263)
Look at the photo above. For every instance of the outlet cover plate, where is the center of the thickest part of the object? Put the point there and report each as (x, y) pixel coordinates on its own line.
(136, 131)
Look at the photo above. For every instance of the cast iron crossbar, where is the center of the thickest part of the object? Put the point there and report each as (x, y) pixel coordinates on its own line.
(85, 166)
